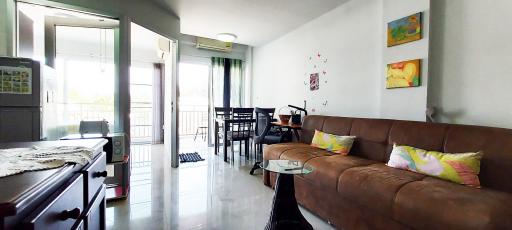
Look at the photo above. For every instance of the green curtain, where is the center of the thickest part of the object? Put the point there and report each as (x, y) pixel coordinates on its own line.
(237, 83)
(237, 86)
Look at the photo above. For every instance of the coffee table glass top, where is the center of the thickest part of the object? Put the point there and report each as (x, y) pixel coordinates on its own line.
(286, 167)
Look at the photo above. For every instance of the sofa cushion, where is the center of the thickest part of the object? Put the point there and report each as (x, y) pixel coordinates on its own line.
(418, 134)
(304, 154)
(327, 170)
(433, 204)
(374, 186)
(273, 152)
(309, 125)
(495, 143)
(337, 125)
(372, 138)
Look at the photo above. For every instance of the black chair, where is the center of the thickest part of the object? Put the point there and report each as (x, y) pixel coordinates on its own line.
(222, 113)
(242, 131)
(264, 134)
(242, 113)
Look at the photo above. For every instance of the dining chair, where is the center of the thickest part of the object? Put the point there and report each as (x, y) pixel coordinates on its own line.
(247, 128)
(240, 130)
(222, 113)
(242, 113)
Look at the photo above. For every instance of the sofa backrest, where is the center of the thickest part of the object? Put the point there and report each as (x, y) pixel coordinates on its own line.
(375, 139)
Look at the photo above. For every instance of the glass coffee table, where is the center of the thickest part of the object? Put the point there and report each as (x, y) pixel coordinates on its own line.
(285, 212)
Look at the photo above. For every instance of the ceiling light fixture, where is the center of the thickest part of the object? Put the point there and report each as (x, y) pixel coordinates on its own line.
(226, 37)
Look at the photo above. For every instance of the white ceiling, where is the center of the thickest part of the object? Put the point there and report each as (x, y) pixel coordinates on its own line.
(255, 22)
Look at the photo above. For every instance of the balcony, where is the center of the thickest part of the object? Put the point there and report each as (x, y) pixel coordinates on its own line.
(191, 118)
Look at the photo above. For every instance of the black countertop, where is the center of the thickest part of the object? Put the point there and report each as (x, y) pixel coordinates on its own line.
(18, 192)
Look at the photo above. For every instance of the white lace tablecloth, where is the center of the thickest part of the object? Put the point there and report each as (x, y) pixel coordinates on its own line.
(18, 160)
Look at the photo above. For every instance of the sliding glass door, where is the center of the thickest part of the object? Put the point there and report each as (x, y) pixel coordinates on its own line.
(141, 93)
(193, 106)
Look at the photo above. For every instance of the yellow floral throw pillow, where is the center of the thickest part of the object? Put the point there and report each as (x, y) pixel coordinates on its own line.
(332, 143)
(462, 168)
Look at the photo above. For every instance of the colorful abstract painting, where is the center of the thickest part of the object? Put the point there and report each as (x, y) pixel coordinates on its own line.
(403, 74)
(404, 30)
(314, 81)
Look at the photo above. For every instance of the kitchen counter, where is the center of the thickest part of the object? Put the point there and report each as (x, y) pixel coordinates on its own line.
(22, 194)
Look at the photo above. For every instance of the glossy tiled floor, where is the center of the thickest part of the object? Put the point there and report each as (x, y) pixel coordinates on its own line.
(205, 195)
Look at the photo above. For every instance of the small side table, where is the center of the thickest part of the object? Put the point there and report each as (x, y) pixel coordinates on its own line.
(291, 128)
(285, 212)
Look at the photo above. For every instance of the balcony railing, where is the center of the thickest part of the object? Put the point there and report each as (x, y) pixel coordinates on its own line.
(190, 120)
(141, 118)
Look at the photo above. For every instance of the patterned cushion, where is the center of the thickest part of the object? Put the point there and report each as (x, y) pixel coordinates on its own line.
(462, 168)
(332, 143)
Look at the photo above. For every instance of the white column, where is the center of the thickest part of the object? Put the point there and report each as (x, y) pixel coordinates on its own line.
(7, 27)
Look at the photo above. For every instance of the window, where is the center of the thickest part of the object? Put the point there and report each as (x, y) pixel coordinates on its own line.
(85, 75)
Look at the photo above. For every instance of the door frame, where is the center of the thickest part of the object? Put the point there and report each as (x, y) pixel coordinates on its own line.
(206, 61)
(174, 148)
(123, 56)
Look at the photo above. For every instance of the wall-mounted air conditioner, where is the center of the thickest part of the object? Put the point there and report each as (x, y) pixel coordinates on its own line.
(164, 47)
(212, 44)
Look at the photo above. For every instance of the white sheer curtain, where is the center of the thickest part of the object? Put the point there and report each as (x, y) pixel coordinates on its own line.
(217, 83)
(237, 84)
(216, 92)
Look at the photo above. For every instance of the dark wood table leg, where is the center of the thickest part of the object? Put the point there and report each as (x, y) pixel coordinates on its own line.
(285, 211)
(216, 145)
(296, 132)
(225, 142)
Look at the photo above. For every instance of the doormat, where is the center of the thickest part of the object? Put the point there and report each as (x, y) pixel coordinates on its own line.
(190, 157)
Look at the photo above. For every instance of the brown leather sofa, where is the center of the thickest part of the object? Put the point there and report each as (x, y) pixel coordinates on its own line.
(359, 191)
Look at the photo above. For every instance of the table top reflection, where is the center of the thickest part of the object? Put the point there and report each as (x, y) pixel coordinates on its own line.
(286, 167)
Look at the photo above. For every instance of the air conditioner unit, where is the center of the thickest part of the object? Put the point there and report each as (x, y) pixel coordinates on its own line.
(164, 47)
(212, 44)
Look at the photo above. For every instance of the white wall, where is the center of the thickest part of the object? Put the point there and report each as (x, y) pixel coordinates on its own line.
(466, 72)
(405, 103)
(471, 62)
(350, 38)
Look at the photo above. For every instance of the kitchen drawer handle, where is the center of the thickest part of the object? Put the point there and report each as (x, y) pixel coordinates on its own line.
(70, 214)
(100, 174)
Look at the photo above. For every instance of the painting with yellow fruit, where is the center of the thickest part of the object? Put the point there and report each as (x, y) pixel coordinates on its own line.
(403, 74)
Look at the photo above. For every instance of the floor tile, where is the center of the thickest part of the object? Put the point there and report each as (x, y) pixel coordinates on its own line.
(205, 195)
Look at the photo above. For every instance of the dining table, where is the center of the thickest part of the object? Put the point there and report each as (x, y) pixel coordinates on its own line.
(226, 123)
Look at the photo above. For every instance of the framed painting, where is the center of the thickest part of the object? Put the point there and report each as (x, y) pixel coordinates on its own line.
(403, 74)
(314, 81)
(404, 30)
